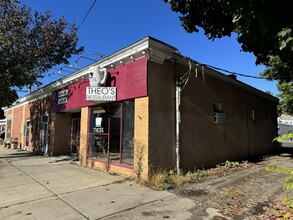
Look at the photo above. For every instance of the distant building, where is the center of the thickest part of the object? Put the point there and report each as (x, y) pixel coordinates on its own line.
(144, 107)
(2, 128)
(285, 124)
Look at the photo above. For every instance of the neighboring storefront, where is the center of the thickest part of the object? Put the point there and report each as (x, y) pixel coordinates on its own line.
(141, 108)
(2, 129)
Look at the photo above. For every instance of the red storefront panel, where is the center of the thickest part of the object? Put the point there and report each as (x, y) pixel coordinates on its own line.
(129, 79)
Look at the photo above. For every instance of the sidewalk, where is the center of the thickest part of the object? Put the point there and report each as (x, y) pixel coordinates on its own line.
(39, 187)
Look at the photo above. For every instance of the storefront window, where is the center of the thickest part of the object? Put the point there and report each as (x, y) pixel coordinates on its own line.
(111, 132)
(128, 132)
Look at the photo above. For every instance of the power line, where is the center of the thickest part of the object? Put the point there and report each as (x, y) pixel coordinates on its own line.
(87, 14)
(234, 73)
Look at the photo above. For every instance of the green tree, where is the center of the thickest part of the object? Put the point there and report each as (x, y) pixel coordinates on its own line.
(30, 44)
(263, 28)
(286, 98)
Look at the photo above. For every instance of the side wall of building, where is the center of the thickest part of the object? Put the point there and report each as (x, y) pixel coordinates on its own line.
(206, 143)
(18, 117)
(17, 123)
(203, 142)
(264, 127)
(161, 91)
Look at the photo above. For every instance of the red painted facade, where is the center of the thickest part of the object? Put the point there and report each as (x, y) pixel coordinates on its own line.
(129, 79)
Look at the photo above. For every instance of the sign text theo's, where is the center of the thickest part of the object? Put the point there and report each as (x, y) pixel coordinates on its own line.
(101, 93)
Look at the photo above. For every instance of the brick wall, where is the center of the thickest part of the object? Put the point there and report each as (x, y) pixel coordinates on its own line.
(83, 136)
(141, 137)
(17, 124)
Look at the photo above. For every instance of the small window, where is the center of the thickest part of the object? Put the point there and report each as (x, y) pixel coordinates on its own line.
(253, 114)
(218, 107)
(219, 115)
(44, 119)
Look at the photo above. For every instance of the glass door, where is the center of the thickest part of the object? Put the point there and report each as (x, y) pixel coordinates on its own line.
(115, 134)
(44, 138)
(27, 132)
(99, 135)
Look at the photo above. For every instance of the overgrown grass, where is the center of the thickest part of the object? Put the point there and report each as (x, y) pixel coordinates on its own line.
(163, 180)
(233, 164)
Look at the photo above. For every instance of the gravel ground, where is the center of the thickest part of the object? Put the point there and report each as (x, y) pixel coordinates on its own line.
(248, 191)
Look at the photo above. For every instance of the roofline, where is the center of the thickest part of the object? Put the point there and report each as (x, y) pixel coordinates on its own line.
(156, 51)
(216, 74)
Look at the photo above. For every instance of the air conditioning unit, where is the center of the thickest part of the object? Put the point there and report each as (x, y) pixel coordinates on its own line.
(219, 118)
(44, 118)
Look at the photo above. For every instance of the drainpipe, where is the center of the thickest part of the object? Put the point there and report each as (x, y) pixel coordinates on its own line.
(178, 95)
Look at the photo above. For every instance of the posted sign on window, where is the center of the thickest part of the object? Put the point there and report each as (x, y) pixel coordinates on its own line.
(101, 93)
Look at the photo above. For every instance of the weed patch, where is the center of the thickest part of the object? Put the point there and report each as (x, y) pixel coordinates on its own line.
(163, 180)
(287, 186)
(233, 164)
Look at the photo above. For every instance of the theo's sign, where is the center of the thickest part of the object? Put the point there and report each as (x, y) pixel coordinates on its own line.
(101, 93)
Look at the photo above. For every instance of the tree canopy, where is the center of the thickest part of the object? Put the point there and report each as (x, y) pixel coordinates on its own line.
(30, 44)
(264, 28)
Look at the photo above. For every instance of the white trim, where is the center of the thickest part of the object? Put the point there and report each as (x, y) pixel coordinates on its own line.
(155, 50)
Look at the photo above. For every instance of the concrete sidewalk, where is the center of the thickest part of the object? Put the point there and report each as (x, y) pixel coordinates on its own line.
(39, 187)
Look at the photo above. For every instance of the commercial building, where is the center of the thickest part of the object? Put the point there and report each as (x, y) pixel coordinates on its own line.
(143, 107)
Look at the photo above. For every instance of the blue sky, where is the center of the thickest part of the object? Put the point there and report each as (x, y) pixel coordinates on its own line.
(114, 24)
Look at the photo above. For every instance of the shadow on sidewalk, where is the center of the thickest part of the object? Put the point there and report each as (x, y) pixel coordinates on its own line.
(8, 153)
(18, 153)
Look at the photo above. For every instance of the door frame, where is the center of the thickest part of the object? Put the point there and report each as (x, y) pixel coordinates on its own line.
(73, 120)
(26, 133)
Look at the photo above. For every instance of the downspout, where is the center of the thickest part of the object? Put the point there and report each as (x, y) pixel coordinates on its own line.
(177, 100)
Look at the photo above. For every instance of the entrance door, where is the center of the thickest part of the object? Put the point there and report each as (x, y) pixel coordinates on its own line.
(106, 133)
(44, 138)
(75, 130)
(26, 133)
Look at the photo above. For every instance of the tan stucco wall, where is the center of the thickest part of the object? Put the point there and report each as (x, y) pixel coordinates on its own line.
(60, 133)
(204, 143)
(265, 126)
(161, 90)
